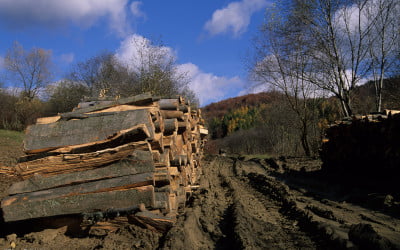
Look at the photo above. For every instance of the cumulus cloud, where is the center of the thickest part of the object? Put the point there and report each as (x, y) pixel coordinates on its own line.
(67, 58)
(135, 9)
(254, 89)
(234, 18)
(84, 13)
(136, 48)
(209, 87)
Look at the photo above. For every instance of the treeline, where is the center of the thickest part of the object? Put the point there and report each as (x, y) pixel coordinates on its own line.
(32, 92)
(265, 122)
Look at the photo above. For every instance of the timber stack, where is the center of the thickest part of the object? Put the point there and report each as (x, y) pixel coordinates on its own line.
(364, 146)
(139, 156)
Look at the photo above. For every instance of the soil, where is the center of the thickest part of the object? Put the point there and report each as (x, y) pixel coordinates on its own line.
(285, 203)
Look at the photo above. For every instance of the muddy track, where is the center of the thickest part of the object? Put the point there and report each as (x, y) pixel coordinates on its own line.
(231, 214)
(243, 205)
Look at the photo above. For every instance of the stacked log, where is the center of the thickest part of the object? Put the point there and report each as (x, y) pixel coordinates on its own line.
(122, 155)
(364, 146)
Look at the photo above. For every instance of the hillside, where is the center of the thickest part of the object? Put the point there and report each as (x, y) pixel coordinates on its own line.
(219, 109)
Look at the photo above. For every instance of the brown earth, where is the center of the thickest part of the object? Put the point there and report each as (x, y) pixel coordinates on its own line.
(246, 204)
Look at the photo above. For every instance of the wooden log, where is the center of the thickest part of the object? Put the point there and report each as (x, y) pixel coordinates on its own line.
(47, 120)
(152, 108)
(170, 126)
(92, 103)
(168, 104)
(102, 228)
(179, 145)
(153, 221)
(162, 176)
(67, 163)
(160, 200)
(10, 171)
(164, 158)
(45, 137)
(169, 140)
(138, 162)
(184, 108)
(75, 203)
(143, 99)
(179, 160)
(183, 126)
(104, 185)
(169, 114)
(138, 133)
(156, 156)
(157, 142)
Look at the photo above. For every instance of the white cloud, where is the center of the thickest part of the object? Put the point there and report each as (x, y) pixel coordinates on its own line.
(209, 87)
(67, 58)
(234, 18)
(135, 9)
(254, 89)
(84, 13)
(136, 48)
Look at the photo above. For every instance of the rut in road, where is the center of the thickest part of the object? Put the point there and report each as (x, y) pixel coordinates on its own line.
(228, 213)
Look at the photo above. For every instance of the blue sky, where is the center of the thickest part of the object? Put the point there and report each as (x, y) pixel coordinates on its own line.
(209, 38)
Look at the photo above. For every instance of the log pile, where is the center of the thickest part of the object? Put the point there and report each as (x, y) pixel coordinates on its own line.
(364, 145)
(138, 154)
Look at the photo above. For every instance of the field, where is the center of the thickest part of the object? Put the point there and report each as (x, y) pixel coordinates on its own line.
(251, 202)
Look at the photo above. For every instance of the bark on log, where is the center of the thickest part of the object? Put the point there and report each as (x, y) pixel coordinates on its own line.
(66, 163)
(143, 99)
(169, 104)
(137, 163)
(82, 202)
(45, 137)
(170, 126)
(153, 221)
(169, 114)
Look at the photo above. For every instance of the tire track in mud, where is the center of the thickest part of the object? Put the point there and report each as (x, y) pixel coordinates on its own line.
(243, 205)
(227, 213)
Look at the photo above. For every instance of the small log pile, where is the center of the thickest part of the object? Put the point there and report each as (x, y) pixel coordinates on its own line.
(364, 145)
(138, 154)
(5, 170)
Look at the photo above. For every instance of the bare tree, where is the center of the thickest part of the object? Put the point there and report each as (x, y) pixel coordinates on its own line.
(340, 49)
(150, 68)
(156, 68)
(103, 72)
(29, 69)
(64, 96)
(282, 61)
(384, 42)
(341, 39)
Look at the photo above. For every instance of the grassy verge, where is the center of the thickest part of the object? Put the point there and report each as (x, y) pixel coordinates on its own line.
(7, 136)
(10, 146)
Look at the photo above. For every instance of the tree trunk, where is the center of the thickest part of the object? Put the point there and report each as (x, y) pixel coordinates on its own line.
(304, 139)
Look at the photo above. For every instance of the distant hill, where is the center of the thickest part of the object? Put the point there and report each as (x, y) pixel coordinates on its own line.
(219, 109)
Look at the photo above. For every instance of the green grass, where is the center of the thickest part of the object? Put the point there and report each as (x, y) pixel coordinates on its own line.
(9, 136)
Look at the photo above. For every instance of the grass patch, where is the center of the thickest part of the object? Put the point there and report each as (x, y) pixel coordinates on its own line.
(9, 136)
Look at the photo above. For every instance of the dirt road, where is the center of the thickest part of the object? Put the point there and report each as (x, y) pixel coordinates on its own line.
(255, 204)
